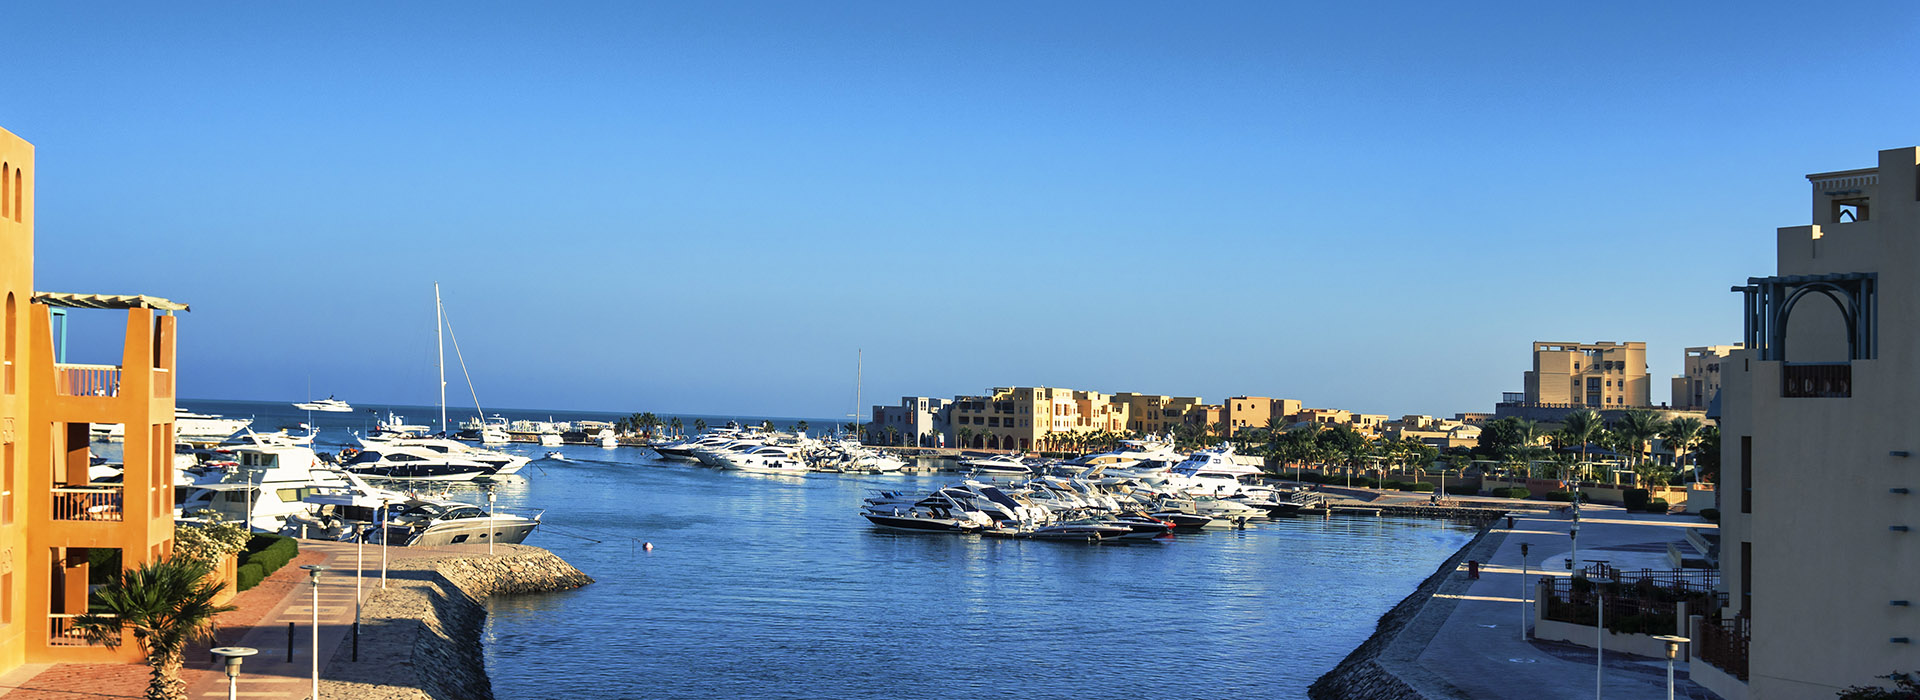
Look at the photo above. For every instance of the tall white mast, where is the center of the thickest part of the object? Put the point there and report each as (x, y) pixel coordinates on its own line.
(858, 365)
(440, 355)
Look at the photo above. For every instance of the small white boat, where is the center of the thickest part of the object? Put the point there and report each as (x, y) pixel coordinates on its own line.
(556, 456)
(326, 405)
(998, 464)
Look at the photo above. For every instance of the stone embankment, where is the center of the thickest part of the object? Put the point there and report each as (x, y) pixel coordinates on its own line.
(420, 638)
(1385, 665)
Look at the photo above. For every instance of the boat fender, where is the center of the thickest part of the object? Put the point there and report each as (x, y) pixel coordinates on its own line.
(647, 546)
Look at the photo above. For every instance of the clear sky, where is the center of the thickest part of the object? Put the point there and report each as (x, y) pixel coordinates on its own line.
(709, 207)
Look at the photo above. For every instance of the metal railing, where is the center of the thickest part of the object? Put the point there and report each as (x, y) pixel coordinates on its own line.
(60, 631)
(1816, 381)
(1642, 607)
(1723, 643)
(88, 504)
(1697, 581)
(86, 380)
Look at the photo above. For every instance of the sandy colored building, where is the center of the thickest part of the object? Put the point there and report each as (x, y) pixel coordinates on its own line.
(1023, 418)
(1156, 414)
(60, 533)
(1252, 412)
(1818, 457)
(1590, 375)
(1699, 383)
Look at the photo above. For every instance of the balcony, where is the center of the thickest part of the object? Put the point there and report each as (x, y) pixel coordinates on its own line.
(60, 631)
(86, 380)
(88, 504)
(1824, 380)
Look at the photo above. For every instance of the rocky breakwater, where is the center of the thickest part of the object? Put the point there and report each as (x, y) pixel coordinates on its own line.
(420, 638)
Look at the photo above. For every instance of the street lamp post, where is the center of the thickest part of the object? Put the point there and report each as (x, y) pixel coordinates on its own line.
(490, 522)
(232, 656)
(1523, 592)
(1673, 650)
(385, 510)
(1573, 535)
(314, 570)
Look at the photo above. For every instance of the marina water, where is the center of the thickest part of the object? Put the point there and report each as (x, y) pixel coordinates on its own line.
(774, 587)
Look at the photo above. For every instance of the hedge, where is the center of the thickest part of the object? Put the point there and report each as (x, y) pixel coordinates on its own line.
(1419, 486)
(1658, 505)
(248, 576)
(265, 554)
(1635, 499)
(1463, 489)
(1711, 515)
(1512, 492)
(1393, 485)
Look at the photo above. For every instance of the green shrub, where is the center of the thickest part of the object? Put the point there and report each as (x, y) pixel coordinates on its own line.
(1420, 486)
(1512, 492)
(1364, 482)
(1561, 496)
(1658, 505)
(270, 552)
(1635, 499)
(248, 576)
(1711, 515)
(1463, 489)
(1393, 485)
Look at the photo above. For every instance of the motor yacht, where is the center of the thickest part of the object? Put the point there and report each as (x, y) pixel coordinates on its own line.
(998, 465)
(326, 405)
(765, 459)
(188, 426)
(262, 486)
(501, 463)
(414, 463)
(411, 520)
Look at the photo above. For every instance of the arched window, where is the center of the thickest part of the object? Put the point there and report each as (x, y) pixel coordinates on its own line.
(6, 198)
(11, 345)
(18, 202)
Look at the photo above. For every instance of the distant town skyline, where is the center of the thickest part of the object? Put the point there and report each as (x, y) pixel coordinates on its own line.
(711, 209)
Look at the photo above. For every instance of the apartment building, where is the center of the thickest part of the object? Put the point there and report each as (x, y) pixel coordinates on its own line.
(1253, 412)
(1699, 383)
(1156, 414)
(1588, 375)
(1818, 489)
(60, 533)
(918, 420)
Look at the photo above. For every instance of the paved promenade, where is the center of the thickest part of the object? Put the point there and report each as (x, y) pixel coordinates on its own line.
(261, 623)
(1466, 642)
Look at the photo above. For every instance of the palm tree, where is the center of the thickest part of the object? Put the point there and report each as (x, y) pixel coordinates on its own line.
(677, 425)
(1579, 427)
(802, 426)
(166, 604)
(966, 438)
(1638, 427)
(647, 421)
(1681, 434)
(699, 425)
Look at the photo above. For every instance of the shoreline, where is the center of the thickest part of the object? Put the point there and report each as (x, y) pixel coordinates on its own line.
(421, 637)
(1383, 666)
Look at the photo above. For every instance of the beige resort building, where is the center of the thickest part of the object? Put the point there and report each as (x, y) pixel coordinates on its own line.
(1820, 489)
(1696, 388)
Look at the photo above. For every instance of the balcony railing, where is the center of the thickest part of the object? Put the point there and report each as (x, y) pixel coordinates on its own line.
(60, 631)
(1816, 381)
(88, 504)
(86, 380)
(1723, 643)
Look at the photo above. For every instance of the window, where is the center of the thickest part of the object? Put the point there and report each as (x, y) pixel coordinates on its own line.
(6, 202)
(6, 489)
(1746, 478)
(6, 599)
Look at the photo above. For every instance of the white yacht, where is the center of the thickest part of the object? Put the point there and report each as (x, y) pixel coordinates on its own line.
(411, 520)
(262, 487)
(326, 405)
(765, 459)
(187, 427)
(998, 465)
(411, 458)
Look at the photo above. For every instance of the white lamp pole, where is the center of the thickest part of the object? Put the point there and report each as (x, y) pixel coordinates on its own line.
(1573, 535)
(1523, 592)
(314, 653)
(232, 656)
(385, 510)
(359, 569)
(1673, 649)
(491, 525)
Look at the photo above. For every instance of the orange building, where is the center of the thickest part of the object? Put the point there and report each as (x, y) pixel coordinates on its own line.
(58, 531)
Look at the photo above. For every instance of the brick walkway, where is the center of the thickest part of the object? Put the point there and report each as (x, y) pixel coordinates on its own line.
(261, 623)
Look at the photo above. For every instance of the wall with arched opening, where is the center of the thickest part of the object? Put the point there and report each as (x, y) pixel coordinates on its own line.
(1816, 330)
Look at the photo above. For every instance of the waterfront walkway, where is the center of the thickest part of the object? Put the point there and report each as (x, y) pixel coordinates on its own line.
(1466, 642)
(260, 623)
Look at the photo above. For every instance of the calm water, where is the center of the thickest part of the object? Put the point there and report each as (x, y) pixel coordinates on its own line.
(763, 587)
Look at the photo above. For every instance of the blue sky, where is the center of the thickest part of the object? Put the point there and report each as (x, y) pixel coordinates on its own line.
(709, 207)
